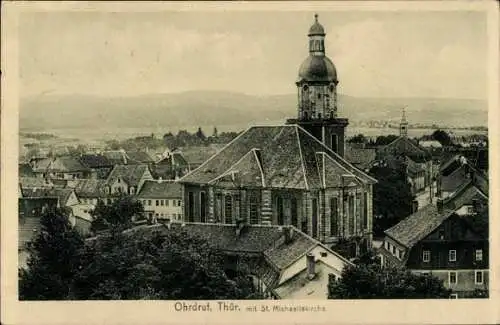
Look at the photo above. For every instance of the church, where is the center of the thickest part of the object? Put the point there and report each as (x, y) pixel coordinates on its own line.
(293, 174)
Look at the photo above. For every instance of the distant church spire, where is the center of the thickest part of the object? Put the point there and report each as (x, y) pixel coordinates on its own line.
(403, 126)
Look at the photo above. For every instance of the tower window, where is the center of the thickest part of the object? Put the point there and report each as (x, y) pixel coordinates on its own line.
(319, 96)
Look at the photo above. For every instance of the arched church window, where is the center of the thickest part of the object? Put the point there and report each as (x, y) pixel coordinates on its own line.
(319, 95)
(305, 88)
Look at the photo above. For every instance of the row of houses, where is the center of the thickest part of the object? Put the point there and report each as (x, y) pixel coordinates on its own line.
(449, 238)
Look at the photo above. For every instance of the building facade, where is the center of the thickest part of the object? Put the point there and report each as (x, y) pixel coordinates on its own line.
(290, 174)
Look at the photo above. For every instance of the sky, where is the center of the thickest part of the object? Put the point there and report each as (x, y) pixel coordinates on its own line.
(377, 54)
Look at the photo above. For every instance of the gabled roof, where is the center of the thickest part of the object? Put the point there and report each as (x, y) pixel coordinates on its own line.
(407, 146)
(418, 225)
(361, 157)
(160, 190)
(285, 156)
(465, 194)
(131, 174)
(135, 157)
(41, 164)
(95, 161)
(90, 188)
(34, 182)
(116, 157)
(62, 194)
(66, 164)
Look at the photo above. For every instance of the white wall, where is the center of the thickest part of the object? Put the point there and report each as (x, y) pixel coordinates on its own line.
(171, 208)
(301, 264)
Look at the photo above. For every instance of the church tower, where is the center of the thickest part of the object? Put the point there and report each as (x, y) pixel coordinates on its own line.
(403, 125)
(317, 94)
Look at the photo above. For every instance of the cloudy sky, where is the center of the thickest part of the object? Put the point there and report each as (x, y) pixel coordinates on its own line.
(377, 54)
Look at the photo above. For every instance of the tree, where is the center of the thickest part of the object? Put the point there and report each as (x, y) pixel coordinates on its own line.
(366, 279)
(442, 137)
(118, 215)
(161, 264)
(392, 198)
(359, 138)
(53, 260)
(385, 140)
(200, 135)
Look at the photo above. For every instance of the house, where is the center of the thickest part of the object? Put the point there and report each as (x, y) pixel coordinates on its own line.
(81, 219)
(172, 166)
(65, 197)
(65, 167)
(453, 173)
(448, 240)
(139, 157)
(360, 157)
(284, 263)
(281, 175)
(403, 146)
(195, 156)
(40, 166)
(116, 157)
(99, 165)
(162, 200)
(35, 182)
(127, 179)
(90, 191)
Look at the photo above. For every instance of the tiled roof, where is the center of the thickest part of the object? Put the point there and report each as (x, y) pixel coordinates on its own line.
(131, 174)
(417, 226)
(285, 156)
(196, 156)
(389, 259)
(66, 164)
(160, 190)
(42, 164)
(116, 157)
(95, 161)
(90, 188)
(25, 170)
(62, 194)
(34, 182)
(404, 145)
(361, 157)
(139, 157)
(464, 196)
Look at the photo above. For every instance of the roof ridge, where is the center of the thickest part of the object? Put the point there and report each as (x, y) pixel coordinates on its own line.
(333, 154)
(301, 158)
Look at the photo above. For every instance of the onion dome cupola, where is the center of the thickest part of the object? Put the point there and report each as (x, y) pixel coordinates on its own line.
(317, 80)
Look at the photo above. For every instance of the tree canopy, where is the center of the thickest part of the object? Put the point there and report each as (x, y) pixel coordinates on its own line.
(53, 259)
(392, 198)
(366, 279)
(138, 263)
(119, 214)
(442, 137)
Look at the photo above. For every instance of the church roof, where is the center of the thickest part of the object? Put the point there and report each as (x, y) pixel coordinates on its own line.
(317, 68)
(284, 156)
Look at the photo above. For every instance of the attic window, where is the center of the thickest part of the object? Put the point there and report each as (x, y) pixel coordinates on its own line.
(323, 254)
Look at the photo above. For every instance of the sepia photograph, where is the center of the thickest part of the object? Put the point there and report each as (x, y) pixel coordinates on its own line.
(232, 154)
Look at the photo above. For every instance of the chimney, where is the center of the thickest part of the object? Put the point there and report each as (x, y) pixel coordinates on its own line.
(311, 263)
(160, 180)
(440, 205)
(288, 234)
(414, 206)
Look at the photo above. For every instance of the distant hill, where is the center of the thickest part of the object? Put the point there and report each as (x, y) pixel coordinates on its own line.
(226, 108)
